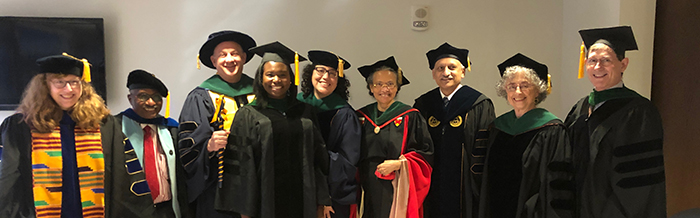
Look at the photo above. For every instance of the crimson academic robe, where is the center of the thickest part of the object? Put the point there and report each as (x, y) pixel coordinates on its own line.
(618, 150)
(400, 130)
(459, 134)
(121, 198)
(275, 163)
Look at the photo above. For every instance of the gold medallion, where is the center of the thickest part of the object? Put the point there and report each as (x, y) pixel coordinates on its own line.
(376, 130)
(433, 122)
(456, 121)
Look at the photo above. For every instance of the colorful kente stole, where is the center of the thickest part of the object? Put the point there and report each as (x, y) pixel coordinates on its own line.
(47, 167)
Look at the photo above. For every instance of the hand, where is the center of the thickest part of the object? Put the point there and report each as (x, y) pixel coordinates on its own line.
(218, 140)
(244, 216)
(323, 211)
(389, 166)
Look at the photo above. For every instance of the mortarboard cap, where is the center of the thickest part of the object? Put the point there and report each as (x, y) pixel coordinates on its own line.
(524, 61)
(448, 51)
(389, 62)
(140, 79)
(619, 38)
(65, 64)
(278, 52)
(329, 59)
(246, 42)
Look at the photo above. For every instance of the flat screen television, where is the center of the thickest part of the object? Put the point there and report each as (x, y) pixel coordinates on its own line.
(23, 40)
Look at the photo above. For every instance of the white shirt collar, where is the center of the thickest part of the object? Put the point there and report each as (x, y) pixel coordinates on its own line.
(449, 97)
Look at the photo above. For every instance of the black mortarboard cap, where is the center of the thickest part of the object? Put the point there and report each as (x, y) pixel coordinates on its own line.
(389, 62)
(276, 51)
(327, 59)
(619, 38)
(447, 51)
(140, 79)
(246, 42)
(524, 61)
(60, 64)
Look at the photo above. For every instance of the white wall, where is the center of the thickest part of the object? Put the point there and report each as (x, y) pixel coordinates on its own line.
(163, 37)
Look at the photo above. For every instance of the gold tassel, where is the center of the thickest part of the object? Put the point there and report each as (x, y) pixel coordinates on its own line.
(86, 71)
(198, 66)
(549, 84)
(400, 77)
(86, 67)
(469, 64)
(340, 67)
(296, 68)
(581, 60)
(167, 106)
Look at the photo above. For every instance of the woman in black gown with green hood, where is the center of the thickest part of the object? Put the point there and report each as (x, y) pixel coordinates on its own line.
(325, 86)
(275, 163)
(528, 163)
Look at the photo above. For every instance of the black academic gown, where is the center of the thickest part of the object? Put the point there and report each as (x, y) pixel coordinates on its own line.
(199, 163)
(387, 144)
(528, 174)
(185, 210)
(341, 132)
(16, 195)
(619, 156)
(459, 134)
(275, 164)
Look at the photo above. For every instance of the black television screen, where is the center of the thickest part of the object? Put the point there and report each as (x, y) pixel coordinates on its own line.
(25, 39)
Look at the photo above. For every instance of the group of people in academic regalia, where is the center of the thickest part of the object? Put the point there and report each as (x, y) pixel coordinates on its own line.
(254, 147)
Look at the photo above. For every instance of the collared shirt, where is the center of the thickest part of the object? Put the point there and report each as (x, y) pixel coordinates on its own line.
(161, 165)
(449, 97)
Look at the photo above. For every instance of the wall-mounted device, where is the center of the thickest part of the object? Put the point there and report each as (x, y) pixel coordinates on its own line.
(419, 18)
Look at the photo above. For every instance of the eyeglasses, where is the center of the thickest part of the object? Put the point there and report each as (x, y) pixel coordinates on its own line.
(59, 84)
(604, 62)
(390, 85)
(450, 68)
(331, 73)
(523, 87)
(157, 98)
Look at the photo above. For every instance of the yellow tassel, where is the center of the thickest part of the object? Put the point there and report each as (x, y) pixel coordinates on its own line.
(296, 68)
(340, 67)
(167, 106)
(581, 60)
(86, 67)
(549, 84)
(400, 76)
(469, 64)
(86, 71)
(198, 66)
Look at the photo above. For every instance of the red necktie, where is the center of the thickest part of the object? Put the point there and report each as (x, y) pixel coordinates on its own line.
(149, 160)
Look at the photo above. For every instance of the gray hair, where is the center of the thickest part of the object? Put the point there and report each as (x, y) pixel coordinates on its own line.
(531, 76)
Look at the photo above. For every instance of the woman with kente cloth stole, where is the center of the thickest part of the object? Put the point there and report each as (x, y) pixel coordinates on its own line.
(325, 86)
(528, 162)
(396, 147)
(64, 154)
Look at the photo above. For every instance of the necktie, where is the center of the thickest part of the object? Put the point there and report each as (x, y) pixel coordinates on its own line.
(445, 102)
(149, 161)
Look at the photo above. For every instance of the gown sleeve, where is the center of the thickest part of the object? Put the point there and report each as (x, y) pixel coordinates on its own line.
(345, 135)
(555, 194)
(16, 196)
(194, 134)
(240, 193)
